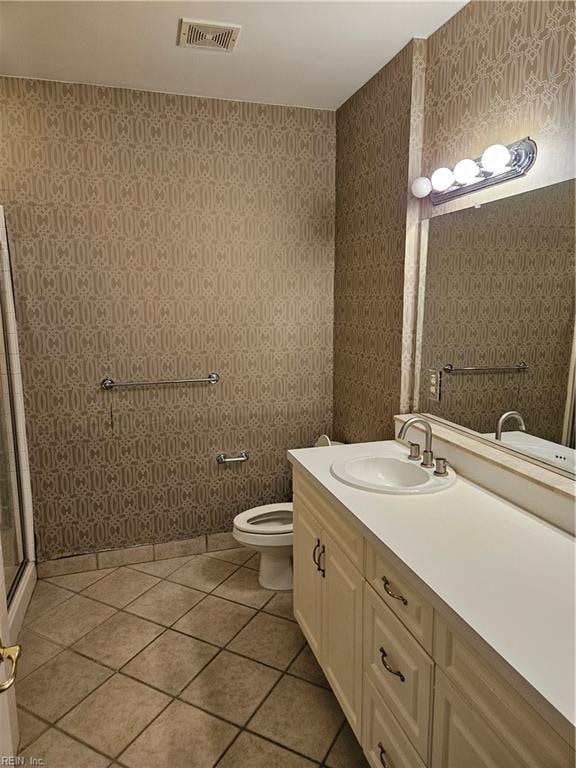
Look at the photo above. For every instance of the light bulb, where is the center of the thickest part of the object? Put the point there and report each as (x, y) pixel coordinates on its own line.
(421, 187)
(466, 171)
(442, 179)
(496, 158)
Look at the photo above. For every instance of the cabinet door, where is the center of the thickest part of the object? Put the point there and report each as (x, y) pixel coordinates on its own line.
(461, 737)
(342, 630)
(527, 735)
(307, 578)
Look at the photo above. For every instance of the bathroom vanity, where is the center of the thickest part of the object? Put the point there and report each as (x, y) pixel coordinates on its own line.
(444, 622)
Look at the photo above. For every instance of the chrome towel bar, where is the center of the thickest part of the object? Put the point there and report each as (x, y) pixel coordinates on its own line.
(221, 458)
(518, 368)
(108, 383)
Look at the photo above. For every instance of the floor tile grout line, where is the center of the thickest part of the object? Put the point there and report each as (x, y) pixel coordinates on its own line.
(160, 578)
(165, 627)
(74, 738)
(116, 608)
(246, 728)
(117, 670)
(334, 740)
(267, 696)
(48, 579)
(107, 756)
(27, 625)
(242, 728)
(172, 627)
(112, 670)
(176, 697)
(113, 569)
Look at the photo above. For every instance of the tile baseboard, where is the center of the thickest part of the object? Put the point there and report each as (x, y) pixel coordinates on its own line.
(146, 553)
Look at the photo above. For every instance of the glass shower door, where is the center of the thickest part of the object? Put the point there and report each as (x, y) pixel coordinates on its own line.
(11, 528)
(10, 518)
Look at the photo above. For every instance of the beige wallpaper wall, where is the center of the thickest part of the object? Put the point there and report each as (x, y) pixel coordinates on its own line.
(159, 236)
(372, 157)
(500, 289)
(498, 71)
(495, 72)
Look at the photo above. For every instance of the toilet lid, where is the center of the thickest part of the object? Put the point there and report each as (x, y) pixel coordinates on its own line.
(267, 519)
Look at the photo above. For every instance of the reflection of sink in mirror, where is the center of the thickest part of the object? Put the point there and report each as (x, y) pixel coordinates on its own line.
(386, 474)
(497, 319)
(556, 454)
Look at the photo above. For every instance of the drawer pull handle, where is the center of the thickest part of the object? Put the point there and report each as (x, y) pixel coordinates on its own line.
(382, 753)
(316, 548)
(387, 666)
(322, 570)
(393, 594)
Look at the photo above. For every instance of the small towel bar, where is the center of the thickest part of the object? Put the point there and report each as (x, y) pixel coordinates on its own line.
(221, 458)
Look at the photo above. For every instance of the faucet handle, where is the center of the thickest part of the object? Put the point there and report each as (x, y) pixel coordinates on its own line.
(414, 454)
(441, 467)
(427, 459)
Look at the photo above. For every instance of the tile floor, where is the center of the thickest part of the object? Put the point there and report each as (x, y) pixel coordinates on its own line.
(180, 663)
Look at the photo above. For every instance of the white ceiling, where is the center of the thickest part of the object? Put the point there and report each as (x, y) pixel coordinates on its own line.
(310, 54)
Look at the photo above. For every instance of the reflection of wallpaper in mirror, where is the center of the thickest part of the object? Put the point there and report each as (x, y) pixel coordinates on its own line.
(500, 289)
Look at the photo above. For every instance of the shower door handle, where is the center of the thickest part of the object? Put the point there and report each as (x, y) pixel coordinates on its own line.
(12, 653)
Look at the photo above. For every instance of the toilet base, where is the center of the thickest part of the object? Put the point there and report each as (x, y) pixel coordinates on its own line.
(275, 571)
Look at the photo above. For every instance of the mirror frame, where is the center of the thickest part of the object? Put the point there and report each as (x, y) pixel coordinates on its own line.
(417, 359)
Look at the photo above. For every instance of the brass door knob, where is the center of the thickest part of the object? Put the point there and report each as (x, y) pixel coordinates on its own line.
(12, 653)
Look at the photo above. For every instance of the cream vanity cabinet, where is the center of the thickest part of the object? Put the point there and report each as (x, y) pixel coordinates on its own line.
(416, 693)
(328, 584)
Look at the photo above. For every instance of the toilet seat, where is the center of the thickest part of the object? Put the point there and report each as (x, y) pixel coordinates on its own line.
(267, 520)
(269, 530)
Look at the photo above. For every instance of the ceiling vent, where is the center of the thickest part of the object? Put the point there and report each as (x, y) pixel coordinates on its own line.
(200, 34)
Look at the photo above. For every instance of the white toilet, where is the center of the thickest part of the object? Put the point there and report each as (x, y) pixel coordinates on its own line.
(269, 530)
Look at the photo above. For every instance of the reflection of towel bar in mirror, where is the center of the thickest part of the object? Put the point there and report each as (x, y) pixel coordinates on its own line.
(108, 383)
(517, 368)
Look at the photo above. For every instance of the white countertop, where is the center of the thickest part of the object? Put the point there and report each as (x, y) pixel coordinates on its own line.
(506, 573)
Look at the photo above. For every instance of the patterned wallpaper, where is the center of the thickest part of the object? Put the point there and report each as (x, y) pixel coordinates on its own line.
(500, 289)
(372, 157)
(498, 71)
(160, 236)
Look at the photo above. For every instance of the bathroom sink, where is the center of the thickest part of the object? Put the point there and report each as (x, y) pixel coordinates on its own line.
(557, 454)
(386, 474)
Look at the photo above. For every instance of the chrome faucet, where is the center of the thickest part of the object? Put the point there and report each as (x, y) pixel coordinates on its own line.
(427, 455)
(509, 415)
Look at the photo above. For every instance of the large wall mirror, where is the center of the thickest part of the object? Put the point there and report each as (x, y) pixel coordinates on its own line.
(496, 322)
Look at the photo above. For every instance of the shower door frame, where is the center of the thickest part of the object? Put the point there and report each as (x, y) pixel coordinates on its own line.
(21, 592)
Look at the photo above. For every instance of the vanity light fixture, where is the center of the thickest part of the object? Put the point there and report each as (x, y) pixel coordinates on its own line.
(498, 163)
(466, 171)
(442, 179)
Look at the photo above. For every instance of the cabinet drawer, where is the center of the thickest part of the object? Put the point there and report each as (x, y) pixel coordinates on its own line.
(346, 535)
(390, 648)
(381, 732)
(532, 741)
(400, 595)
